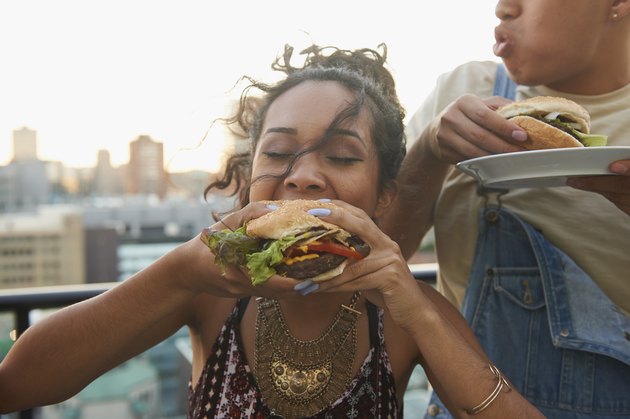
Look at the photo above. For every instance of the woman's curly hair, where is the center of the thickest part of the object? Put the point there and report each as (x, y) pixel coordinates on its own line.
(361, 71)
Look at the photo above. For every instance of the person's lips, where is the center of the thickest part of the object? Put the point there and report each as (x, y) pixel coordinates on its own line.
(502, 46)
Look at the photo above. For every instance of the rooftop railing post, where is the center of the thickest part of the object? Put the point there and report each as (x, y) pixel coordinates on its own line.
(22, 322)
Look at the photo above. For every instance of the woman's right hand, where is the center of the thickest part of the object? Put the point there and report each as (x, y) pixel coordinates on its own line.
(383, 274)
(469, 127)
(201, 274)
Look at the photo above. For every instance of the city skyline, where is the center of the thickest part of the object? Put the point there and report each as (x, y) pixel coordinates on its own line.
(25, 145)
(108, 72)
(28, 182)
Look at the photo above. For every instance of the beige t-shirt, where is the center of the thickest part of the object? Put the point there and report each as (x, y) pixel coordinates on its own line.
(586, 226)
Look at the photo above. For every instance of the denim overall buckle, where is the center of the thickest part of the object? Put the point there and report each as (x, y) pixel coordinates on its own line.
(491, 210)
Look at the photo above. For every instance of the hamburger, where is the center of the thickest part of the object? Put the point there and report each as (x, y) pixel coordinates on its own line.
(552, 122)
(289, 242)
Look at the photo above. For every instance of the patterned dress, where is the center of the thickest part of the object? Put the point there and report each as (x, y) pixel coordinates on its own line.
(227, 388)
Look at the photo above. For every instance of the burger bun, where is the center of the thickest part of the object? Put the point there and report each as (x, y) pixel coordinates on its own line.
(541, 135)
(330, 274)
(291, 218)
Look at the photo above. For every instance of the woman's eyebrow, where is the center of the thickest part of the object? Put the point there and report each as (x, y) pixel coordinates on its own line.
(336, 131)
(349, 133)
(282, 130)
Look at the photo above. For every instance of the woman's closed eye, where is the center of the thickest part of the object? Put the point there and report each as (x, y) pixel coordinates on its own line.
(276, 155)
(347, 160)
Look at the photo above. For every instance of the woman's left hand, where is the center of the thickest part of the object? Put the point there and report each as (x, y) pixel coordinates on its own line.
(614, 188)
(384, 274)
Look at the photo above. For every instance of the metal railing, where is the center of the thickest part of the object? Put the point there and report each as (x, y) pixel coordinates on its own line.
(20, 302)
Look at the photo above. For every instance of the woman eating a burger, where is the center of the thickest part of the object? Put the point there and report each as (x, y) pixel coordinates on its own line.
(329, 136)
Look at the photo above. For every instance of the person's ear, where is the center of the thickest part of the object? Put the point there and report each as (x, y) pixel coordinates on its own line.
(385, 198)
(619, 9)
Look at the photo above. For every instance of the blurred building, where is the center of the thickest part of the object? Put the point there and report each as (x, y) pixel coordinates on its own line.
(107, 179)
(24, 144)
(129, 391)
(146, 219)
(23, 185)
(23, 182)
(101, 254)
(145, 172)
(189, 184)
(42, 248)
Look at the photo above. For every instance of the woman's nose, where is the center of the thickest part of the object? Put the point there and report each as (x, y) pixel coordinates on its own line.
(306, 175)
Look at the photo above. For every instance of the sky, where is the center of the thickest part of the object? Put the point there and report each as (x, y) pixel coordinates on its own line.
(91, 74)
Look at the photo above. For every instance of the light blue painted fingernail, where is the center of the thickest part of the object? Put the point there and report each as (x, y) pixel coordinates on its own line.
(324, 200)
(308, 290)
(272, 206)
(304, 284)
(319, 212)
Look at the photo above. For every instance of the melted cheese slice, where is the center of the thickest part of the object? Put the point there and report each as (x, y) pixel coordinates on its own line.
(295, 259)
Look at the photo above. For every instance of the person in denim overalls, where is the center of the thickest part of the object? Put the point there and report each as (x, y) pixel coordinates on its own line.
(557, 335)
(573, 329)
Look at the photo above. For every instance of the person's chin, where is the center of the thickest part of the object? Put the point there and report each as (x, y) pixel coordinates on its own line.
(519, 72)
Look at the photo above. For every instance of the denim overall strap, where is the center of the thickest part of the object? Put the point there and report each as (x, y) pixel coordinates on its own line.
(558, 338)
(503, 85)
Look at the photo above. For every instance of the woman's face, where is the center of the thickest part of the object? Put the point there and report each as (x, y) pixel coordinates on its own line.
(551, 41)
(345, 168)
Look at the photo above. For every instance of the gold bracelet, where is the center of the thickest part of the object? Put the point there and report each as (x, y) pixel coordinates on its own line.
(495, 393)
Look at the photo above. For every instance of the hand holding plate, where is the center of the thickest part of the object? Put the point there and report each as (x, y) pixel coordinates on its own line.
(615, 188)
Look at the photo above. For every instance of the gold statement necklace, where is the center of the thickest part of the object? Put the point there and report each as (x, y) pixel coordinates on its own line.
(300, 378)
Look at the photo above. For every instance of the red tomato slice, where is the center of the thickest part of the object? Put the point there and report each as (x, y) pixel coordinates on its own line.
(336, 248)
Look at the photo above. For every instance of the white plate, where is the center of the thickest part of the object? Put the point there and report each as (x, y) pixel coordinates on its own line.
(542, 168)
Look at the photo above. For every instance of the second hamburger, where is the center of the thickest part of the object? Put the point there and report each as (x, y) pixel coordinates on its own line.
(552, 122)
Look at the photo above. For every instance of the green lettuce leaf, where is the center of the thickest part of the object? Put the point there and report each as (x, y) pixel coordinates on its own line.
(231, 247)
(591, 140)
(260, 263)
(237, 248)
(588, 140)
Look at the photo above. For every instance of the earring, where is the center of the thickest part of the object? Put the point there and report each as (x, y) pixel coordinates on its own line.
(615, 15)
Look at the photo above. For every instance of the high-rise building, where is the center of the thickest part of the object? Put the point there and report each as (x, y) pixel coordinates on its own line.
(145, 172)
(24, 182)
(23, 185)
(44, 248)
(24, 144)
(107, 180)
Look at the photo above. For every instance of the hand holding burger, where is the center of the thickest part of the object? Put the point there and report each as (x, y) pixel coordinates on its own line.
(287, 241)
(552, 122)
